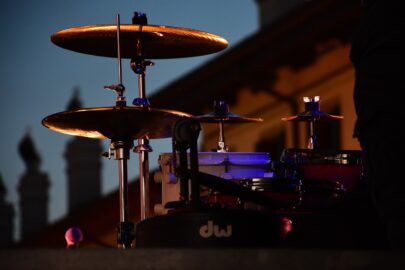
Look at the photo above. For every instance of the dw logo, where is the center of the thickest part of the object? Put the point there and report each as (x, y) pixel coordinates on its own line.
(213, 230)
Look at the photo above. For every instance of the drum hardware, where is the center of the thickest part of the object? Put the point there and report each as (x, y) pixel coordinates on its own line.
(118, 88)
(185, 136)
(311, 114)
(230, 166)
(120, 150)
(221, 114)
(125, 229)
(122, 124)
(238, 191)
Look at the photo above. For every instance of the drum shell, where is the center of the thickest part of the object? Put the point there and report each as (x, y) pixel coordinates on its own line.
(343, 167)
(288, 194)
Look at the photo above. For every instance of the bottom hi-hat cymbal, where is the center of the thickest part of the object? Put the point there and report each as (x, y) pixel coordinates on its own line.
(115, 122)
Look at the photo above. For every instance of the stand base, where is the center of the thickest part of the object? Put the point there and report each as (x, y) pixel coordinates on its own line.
(125, 234)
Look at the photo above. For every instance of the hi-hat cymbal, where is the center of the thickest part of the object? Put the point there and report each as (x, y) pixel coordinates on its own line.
(157, 41)
(214, 117)
(115, 122)
(312, 116)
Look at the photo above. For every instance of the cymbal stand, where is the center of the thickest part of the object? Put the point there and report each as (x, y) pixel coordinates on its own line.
(125, 229)
(221, 107)
(118, 88)
(120, 150)
(312, 140)
(138, 65)
(222, 147)
(312, 104)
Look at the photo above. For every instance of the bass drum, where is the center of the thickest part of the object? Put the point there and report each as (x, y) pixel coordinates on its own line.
(343, 167)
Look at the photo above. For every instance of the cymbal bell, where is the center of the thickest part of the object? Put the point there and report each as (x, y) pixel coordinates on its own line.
(115, 122)
(158, 42)
(214, 117)
(312, 116)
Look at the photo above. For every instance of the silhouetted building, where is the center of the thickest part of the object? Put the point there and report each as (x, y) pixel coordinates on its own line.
(33, 189)
(83, 158)
(6, 218)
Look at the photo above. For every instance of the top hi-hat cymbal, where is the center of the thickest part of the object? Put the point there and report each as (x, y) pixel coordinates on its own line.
(221, 113)
(157, 41)
(115, 122)
(312, 112)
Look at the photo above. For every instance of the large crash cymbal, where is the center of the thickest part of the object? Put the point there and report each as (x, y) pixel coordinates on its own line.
(214, 117)
(157, 41)
(115, 123)
(312, 116)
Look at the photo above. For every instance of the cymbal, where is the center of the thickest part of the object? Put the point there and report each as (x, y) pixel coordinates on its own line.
(115, 122)
(158, 42)
(312, 116)
(214, 117)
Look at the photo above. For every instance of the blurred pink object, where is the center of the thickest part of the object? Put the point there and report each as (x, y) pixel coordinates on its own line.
(73, 236)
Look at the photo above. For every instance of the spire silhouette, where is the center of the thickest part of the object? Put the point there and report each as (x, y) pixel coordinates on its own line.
(6, 218)
(29, 153)
(33, 189)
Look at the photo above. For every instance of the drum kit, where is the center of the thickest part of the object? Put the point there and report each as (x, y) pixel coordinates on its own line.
(229, 190)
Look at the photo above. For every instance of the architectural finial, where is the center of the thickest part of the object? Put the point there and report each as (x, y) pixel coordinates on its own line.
(28, 152)
(75, 102)
(3, 190)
